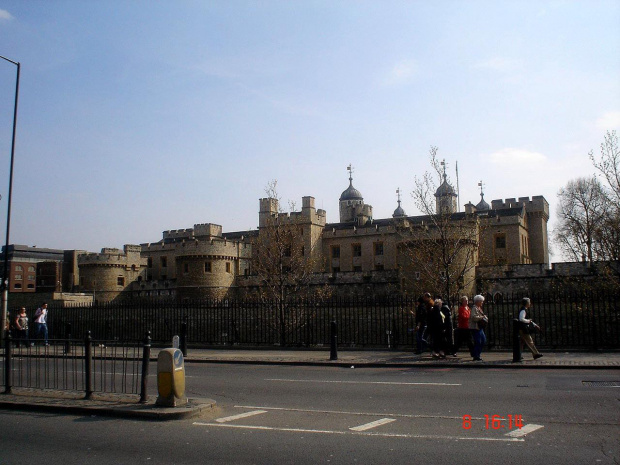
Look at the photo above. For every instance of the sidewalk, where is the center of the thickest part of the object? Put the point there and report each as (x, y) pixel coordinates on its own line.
(400, 359)
(126, 406)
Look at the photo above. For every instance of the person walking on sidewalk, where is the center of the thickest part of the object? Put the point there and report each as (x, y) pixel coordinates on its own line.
(463, 334)
(526, 327)
(420, 325)
(477, 322)
(40, 323)
(21, 328)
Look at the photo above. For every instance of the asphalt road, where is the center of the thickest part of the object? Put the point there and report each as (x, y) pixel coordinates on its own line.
(309, 415)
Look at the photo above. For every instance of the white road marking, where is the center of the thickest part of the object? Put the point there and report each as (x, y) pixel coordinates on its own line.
(241, 415)
(373, 424)
(341, 412)
(361, 433)
(529, 428)
(360, 382)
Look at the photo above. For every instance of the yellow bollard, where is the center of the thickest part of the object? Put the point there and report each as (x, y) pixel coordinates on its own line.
(171, 378)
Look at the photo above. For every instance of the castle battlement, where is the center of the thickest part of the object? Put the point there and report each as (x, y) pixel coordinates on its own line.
(537, 204)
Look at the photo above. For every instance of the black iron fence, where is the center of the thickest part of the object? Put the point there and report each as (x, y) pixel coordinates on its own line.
(87, 365)
(588, 321)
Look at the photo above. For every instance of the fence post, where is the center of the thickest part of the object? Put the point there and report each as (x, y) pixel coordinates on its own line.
(8, 359)
(88, 365)
(183, 337)
(516, 342)
(146, 357)
(68, 338)
(333, 352)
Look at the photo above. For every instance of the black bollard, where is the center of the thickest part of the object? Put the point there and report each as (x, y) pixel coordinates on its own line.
(146, 357)
(516, 342)
(68, 338)
(88, 366)
(183, 337)
(8, 359)
(333, 352)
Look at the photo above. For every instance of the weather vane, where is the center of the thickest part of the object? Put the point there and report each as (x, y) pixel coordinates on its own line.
(481, 186)
(350, 170)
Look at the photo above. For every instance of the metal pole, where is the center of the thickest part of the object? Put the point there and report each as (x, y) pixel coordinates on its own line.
(146, 357)
(516, 342)
(5, 276)
(333, 353)
(8, 359)
(88, 365)
(183, 338)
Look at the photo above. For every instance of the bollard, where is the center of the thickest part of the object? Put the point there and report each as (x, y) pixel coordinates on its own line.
(68, 338)
(333, 352)
(88, 366)
(170, 378)
(516, 342)
(183, 337)
(8, 359)
(146, 357)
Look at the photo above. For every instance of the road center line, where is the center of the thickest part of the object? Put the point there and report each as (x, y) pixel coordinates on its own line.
(359, 382)
(341, 412)
(373, 424)
(360, 433)
(529, 428)
(241, 415)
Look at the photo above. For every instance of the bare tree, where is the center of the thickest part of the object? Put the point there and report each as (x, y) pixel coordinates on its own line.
(284, 260)
(609, 165)
(582, 211)
(442, 245)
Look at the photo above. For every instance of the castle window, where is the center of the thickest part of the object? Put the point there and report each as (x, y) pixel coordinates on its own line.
(379, 267)
(335, 251)
(335, 269)
(18, 276)
(31, 269)
(356, 250)
(500, 241)
(31, 277)
(17, 286)
(30, 286)
(227, 267)
(207, 267)
(149, 262)
(120, 281)
(378, 248)
(357, 268)
(164, 262)
(133, 267)
(18, 268)
(287, 251)
(303, 251)
(416, 275)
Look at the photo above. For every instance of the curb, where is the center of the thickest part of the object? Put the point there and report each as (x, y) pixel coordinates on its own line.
(421, 364)
(132, 411)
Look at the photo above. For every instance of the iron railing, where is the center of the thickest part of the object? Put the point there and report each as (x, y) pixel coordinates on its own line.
(587, 321)
(91, 366)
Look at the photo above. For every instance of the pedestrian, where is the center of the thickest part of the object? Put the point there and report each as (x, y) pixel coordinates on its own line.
(526, 327)
(477, 322)
(448, 328)
(437, 329)
(463, 334)
(420, 325)
(21, 328)
(40, 323)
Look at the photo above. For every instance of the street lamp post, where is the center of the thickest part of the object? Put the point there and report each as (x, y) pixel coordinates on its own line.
(5, 277)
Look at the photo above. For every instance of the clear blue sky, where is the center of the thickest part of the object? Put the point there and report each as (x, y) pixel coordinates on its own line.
(141, 116)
